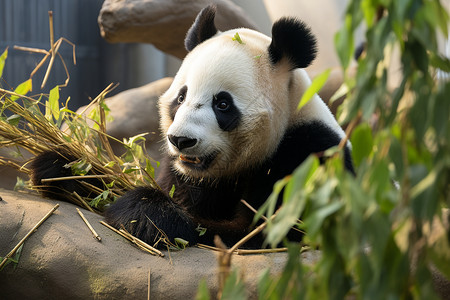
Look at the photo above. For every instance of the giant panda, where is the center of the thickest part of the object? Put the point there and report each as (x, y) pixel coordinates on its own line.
(231, 129)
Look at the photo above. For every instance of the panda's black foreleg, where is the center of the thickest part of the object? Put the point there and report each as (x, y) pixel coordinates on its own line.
(56, 164)
(145, 211)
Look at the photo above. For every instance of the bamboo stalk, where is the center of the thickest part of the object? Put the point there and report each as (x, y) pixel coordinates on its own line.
(244, 251)
(76, 177)
(28, 49)
(83, 202)
(11, 253)
(141, 244)
(52, 47)
(250, 235)
(96, 236)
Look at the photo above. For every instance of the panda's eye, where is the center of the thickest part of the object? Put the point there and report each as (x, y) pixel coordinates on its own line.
(222, 105)
(181, 95)
(180, 98)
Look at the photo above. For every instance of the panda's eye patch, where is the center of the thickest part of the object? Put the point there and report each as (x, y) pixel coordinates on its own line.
(227, 114)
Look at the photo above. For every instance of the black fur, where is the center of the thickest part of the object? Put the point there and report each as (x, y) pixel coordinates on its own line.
(144, 211)
(292, 39)
(202, 29)
(227, 114)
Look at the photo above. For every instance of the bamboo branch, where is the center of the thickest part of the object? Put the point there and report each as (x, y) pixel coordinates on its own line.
(76, 177)
(11, 253)
(141, 244)
(52, 47)
(89, 225)
(244, 251)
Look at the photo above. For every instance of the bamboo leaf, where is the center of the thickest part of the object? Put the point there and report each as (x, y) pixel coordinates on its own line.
(362, 142)
(318, 82)
(2, 61)
(22, 89)
(53, 102)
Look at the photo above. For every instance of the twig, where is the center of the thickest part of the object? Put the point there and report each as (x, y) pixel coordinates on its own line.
(265, 218)
(141, 244)
(11, 253)
(244, 251)
(52, 47)
(250, 235)
(83, 202)
(89, 226)
(28, 49)
(17, 95)
(80, 177)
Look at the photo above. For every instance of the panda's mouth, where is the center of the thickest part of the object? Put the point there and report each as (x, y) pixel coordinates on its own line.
(197, 162)
(191, 160)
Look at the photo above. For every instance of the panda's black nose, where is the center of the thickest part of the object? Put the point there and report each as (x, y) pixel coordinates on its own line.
(182, 142)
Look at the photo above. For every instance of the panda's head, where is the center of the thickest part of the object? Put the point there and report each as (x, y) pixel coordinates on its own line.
(233, 97)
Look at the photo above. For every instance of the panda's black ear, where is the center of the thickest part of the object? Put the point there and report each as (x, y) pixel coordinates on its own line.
(202, 29)
(292, 39)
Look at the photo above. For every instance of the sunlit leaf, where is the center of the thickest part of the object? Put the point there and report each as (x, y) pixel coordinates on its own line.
(317, 83)
(2, 61)
(53, 102)
(22, 89)
(181, 243)
(237, 38)
(172, 191)
(80, 167)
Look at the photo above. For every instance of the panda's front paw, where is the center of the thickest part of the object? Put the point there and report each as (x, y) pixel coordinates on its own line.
(144, 212)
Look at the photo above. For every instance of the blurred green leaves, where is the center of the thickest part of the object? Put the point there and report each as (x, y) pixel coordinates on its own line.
(373, 227)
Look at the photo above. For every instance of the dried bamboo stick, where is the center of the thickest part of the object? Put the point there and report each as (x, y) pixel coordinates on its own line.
(89, 225)
(11, 253)
(244, 251)
(81, 177)
(52, 47)
(141, 244)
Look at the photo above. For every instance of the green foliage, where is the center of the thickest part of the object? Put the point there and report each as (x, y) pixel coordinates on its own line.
(372, 228)
(14, 259)
(234, 288)
(314, 88)
(2, 61)
(202, 291)
(172, 191)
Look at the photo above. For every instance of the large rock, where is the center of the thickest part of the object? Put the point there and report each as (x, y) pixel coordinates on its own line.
(163, 23)
(62, 260)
